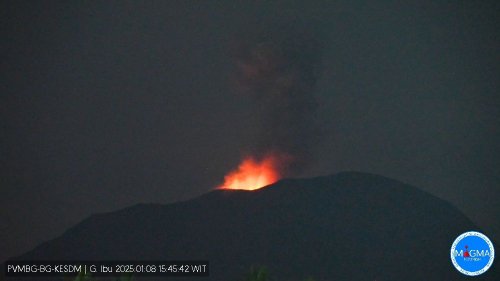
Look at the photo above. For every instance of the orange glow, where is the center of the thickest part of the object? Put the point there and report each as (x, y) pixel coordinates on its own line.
(253, 174)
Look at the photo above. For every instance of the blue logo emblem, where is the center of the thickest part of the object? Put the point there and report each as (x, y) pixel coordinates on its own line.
(472, 253)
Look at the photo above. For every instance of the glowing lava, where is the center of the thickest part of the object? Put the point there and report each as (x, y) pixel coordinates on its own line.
(252, 174)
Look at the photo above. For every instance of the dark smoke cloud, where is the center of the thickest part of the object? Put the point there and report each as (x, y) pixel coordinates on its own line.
(280, 71)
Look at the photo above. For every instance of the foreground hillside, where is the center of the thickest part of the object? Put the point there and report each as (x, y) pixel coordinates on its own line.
(348, 226)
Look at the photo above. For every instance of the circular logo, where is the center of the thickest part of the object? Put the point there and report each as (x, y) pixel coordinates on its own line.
(472, 253)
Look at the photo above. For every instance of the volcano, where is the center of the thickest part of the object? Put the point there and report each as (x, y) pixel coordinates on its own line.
(347, 226)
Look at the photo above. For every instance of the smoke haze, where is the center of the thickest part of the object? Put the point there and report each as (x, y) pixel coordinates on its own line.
(280, 71)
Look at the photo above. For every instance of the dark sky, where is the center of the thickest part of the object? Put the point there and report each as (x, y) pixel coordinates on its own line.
(107, 104)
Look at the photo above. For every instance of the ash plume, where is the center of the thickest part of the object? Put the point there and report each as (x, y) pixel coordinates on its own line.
(280, 71)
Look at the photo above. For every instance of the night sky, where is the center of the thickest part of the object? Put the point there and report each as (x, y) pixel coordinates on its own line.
(108, 104)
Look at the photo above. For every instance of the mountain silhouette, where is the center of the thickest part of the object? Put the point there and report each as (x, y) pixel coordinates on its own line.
(347, 226)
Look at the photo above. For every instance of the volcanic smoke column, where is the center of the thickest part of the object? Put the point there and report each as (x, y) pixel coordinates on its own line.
(280, 74)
